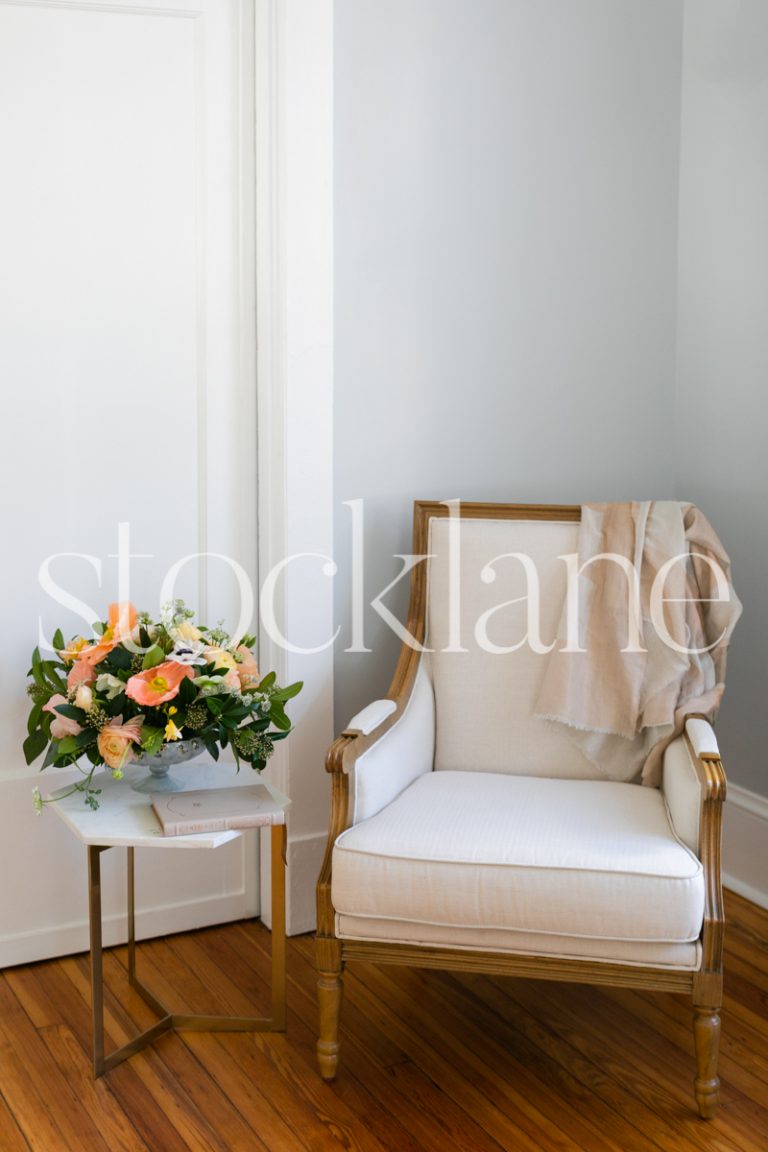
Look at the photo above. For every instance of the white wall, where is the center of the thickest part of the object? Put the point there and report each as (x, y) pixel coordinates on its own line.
(723, 333)
(506, 181)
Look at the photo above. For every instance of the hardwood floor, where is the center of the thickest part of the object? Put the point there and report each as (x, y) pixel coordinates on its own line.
(430, 1061)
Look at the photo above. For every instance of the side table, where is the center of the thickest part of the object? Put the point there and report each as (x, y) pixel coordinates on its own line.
(126, 819)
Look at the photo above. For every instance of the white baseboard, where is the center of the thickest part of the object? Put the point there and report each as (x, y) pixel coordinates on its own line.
(745, 844)
(67, 939)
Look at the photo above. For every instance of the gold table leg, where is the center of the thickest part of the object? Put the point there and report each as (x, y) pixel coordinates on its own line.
(172, 1020)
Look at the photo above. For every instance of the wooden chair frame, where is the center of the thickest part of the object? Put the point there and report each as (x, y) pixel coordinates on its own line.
(704, 985)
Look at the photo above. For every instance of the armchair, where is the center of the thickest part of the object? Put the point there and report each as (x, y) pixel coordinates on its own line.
(468, 834)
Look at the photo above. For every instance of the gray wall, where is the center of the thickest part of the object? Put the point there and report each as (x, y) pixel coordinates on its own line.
(506, 182)
(723, 334)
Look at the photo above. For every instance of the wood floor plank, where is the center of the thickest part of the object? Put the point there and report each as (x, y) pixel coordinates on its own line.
(12, 1139)
(670, 1016)
(162, 1107)
(73, 1120)
(584, 1087)
(655, 1072)
(115, 1126)
(392, 1114)
(124, 1083)
(510, 1069)
(287, 1074)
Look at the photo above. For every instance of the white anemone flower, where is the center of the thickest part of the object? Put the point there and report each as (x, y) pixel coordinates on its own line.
(188, 652)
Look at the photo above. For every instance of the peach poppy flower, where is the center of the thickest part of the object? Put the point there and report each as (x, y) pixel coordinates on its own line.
(115, 740)
(247, 668)
(158, 684)
(61, 726)
(81, 672)
(121, 620)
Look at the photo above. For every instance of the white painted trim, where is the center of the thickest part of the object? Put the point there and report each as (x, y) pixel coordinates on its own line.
(294, 299)
(745, 844)
(162, 920)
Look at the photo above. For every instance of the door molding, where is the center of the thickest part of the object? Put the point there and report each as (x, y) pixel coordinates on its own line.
(294, 319)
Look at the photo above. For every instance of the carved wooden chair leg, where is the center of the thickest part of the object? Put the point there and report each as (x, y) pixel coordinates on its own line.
(330, 987)
(706, 1032)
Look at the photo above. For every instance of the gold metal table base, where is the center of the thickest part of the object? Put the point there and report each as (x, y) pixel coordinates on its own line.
(173, 1020)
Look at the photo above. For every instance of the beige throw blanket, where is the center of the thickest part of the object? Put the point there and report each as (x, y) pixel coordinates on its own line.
(622, 708)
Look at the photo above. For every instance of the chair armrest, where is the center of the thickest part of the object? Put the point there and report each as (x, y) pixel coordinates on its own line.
(398, 746)
(702, 737)
(683, 791)
(369, 719)
(689, 778)
(384, 749)
(693, 782)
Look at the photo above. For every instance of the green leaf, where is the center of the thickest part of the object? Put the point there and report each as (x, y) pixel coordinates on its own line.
(53, 677)
(215, 706)
(35, 717)
(152, 658)
(67, 746)
(212, 749)
(51, 754)
(289, 692)
(86, 739)
(119, 658)
(58, 640)
(151, 739)
(239, 712)
(37, 669)
(71, 712)
(116, 706)
(187, 691)
(279, 718)
(34, 744)
(267, 682)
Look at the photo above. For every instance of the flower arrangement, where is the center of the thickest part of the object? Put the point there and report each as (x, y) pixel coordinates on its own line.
(140, 685)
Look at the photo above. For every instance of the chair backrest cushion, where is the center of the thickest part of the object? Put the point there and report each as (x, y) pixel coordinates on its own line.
(484, 701)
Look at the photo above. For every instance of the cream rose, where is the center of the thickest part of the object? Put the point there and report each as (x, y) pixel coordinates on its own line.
(187, 631)
(220, 658)
(84, 697)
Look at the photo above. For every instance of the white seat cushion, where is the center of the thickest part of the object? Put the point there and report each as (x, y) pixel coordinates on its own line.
(591, 859)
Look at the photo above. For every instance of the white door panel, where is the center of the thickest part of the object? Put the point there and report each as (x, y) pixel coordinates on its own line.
(126, 377)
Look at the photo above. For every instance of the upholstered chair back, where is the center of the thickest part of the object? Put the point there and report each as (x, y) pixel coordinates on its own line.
(484, 700)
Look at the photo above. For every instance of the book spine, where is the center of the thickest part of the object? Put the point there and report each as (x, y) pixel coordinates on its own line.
(189, 827)
(215, 824)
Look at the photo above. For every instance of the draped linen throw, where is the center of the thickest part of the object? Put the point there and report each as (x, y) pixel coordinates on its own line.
(623, 708)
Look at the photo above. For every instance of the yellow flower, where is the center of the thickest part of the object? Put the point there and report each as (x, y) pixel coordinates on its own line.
(171, 731)
(70, 653)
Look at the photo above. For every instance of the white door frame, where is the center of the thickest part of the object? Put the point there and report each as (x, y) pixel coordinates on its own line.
(294, 310)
